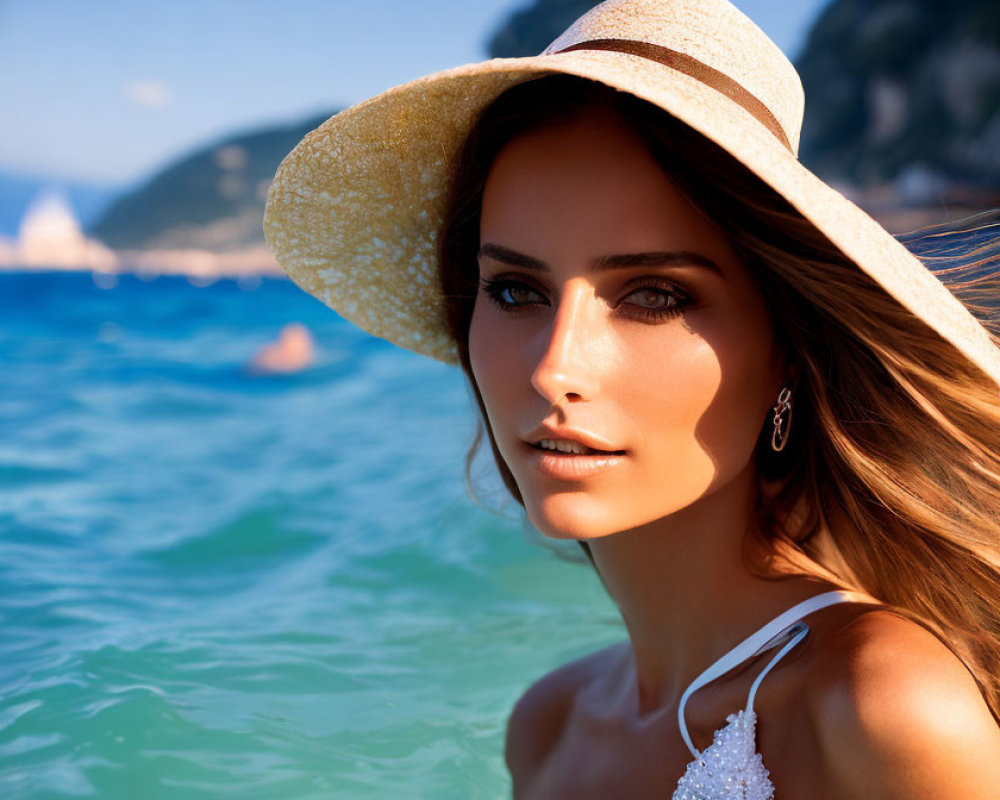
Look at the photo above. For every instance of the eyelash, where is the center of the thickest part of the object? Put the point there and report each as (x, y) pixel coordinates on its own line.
(496, 287)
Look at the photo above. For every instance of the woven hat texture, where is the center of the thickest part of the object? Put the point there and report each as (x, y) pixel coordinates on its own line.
(354, 211)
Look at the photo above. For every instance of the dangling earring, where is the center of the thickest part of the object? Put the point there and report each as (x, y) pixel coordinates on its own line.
(779, 436)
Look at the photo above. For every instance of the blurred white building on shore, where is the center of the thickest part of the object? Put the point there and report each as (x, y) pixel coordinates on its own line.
(50, 237)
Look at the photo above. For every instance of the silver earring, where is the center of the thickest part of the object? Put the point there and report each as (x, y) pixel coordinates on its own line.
(779, 436)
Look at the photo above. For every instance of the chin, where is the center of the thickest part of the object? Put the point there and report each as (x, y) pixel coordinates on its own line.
(571, 516)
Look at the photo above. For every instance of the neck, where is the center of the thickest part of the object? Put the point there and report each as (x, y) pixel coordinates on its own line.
(685, 593)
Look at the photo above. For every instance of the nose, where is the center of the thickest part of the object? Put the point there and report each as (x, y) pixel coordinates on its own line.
(564, 370)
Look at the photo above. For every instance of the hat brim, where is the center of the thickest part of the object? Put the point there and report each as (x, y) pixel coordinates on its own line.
(354, 211)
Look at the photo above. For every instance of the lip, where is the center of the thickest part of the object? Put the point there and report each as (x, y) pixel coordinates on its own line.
(571, 466)
(569, 434)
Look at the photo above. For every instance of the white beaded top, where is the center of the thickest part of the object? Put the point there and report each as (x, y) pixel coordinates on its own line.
(730, 768)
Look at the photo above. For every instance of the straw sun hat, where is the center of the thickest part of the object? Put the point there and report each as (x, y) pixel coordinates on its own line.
(354, 211)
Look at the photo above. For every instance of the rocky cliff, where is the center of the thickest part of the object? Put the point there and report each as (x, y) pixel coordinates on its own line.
(905, 90)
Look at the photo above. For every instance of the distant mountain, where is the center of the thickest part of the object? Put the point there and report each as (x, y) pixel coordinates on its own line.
(211, 199)
(18, 190)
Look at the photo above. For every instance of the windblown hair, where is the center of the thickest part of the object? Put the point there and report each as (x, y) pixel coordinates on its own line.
(890, 483)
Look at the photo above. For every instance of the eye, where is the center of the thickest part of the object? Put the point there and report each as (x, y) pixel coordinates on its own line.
(655, 301)
(650, 300)
(511, 295)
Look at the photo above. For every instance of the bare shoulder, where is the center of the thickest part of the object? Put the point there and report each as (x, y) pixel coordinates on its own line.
(537, 719)
(898, 715)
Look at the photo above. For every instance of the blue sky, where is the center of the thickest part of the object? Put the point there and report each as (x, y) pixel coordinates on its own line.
(109, 91)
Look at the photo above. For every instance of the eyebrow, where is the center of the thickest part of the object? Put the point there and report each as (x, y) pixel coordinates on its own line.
(665, 258)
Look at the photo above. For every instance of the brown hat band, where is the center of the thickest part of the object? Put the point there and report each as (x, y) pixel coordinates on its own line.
(698, 70)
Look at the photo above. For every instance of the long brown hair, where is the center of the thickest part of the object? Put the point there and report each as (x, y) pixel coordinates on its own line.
(890, 483)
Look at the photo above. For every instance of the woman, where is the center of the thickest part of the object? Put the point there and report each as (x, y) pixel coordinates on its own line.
(774, 432)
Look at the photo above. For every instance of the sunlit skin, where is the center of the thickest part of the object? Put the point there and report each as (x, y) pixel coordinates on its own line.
(684, 394)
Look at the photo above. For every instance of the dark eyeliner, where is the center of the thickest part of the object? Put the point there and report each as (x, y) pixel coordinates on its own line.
(495, 288)
(680, 300)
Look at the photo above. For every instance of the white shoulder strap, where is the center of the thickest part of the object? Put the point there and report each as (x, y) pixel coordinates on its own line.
(798, 637)
(758, 641)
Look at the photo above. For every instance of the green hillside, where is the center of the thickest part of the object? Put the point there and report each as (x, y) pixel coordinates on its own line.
(213, 198)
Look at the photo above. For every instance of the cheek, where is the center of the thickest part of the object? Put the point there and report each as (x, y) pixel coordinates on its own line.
(700, 405)
(728, 387)
(668, 398)
(492, 366)
(481, 356)
(680, 378)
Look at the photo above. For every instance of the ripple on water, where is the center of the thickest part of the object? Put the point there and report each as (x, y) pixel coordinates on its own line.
(257, 536)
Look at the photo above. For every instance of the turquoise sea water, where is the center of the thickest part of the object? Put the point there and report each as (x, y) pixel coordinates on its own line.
(215, 584)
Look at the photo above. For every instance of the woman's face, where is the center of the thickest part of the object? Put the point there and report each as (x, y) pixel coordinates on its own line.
(614, 318)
